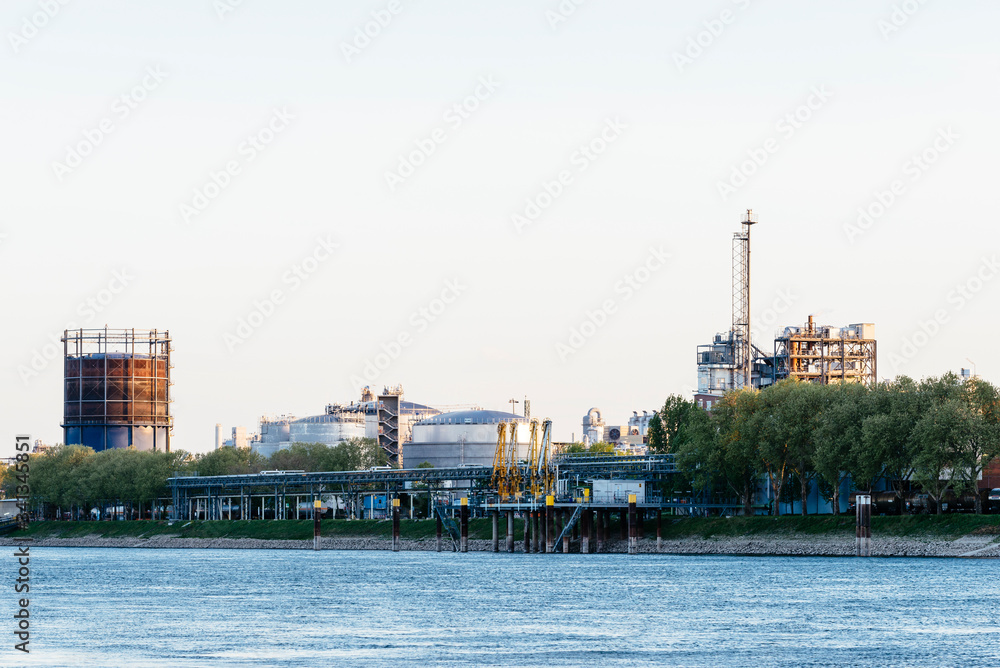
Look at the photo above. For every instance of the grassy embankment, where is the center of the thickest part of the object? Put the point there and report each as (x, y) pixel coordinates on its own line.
(945, 526)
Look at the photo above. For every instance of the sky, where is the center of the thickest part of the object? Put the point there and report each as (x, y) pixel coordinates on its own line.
(486, 201)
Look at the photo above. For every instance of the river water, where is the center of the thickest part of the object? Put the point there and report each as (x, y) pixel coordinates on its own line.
(194, 607)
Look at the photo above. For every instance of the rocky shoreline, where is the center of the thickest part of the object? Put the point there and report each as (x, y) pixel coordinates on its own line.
(971, 546)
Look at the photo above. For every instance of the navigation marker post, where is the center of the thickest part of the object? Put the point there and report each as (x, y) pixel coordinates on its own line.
(395, 525)
(317, 513)
(863, 524)
(633, 526)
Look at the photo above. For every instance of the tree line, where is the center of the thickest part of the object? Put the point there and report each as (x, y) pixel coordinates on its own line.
(937, 434)
(74, 478)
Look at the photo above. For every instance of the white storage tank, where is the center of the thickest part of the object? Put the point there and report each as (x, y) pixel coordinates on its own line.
(460, 438)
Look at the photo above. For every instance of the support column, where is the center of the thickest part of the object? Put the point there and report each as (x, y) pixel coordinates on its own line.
(600, 530)
(395, 525)
(535, 531)
(863, 524)
(585, 533)
(496, 530)
(550, 512)
(438, 518)
(527, 532)
(316, 516)
(563, 519)
(465, 524)
(623, 523)
(633, 526)
(659, 530)
(510, 530)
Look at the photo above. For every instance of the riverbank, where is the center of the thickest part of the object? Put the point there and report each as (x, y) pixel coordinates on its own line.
(923, 536)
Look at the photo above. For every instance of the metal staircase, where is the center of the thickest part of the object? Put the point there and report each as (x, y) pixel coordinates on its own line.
(574, 518)
(450, 525)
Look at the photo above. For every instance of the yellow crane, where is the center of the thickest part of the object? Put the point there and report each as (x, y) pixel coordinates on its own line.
(499, 479)
(544, 472)
(513, 477)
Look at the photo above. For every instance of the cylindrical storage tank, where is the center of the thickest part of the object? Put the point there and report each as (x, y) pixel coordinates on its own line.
(327, 429)
(116, 390)
(275, 431)
(462, 438)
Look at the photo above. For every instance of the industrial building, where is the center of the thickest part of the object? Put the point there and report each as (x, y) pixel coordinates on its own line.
(117, 389)
(462, 438)
(629, 436)
(386, 418)
(819, 354)
(827, 354)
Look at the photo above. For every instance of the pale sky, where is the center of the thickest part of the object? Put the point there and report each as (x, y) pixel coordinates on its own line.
(841, 104)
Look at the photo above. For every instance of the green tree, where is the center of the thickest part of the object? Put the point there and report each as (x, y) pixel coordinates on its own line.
(673, 416)
(656, 435)
(983, 443)
(886, 445)
(838, 429)
(799, 412)
(939, 437)
(774, 436)
(228, 461)
(723, 446)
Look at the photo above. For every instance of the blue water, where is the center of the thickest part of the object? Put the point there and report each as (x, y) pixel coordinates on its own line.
(146, 607)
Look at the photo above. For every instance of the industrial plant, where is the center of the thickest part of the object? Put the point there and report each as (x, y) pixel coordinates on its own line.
(117, 395)
(813, 353)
